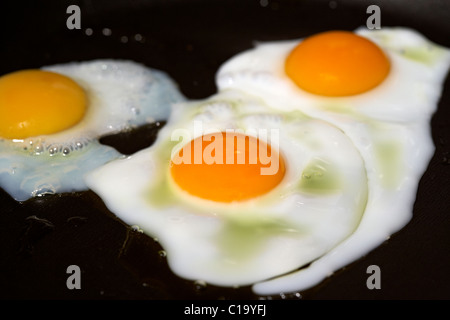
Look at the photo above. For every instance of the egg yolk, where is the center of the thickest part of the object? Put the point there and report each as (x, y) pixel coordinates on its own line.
(37, 102)
(230, 167)
(337, 63)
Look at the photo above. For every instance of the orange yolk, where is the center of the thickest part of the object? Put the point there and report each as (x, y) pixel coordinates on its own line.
(337, 63)
(36, 102)
(228, 169)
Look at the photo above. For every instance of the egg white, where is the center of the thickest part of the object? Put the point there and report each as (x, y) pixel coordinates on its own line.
(121, 95)
(242, 242)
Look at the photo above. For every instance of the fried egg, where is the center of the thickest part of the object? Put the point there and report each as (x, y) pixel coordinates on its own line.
(51, 119)
(228, 216)
(381, 88)
(410, 89)
(349, 144)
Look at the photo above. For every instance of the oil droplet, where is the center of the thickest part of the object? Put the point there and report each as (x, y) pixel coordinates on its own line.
(136, 228)
(38, 149)
(139, 38)
(52, 151)
(199, 285)
(106, 32)
(446, 158)
(78, 145)
(290, 296)
(162, 253)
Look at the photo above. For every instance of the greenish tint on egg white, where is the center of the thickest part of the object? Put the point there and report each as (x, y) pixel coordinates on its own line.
(320, 177)
(160, 193)
(426, 54)
(388, 156)
(244, 238)
(344, 109)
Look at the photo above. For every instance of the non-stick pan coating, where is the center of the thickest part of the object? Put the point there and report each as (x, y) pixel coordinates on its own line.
(40, 238)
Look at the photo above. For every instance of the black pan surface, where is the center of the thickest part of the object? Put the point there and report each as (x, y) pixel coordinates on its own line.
(41, 237)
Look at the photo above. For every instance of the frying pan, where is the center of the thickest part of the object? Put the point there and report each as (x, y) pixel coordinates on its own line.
(189, 40)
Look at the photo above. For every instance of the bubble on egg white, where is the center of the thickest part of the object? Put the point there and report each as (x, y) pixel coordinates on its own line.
(29, 174)
(122, 95)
